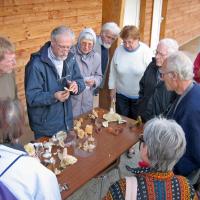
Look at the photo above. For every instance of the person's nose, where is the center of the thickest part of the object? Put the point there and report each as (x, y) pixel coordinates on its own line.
(87, 47)
(157, 56)
(66, 50)
(107, 40)
(110, 41)
(127, 45)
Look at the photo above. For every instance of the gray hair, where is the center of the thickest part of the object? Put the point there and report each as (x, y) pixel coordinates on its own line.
(111, 26)
(171, 45)
(61, 30)
(181, 64)
(88, 34)
(165, 141)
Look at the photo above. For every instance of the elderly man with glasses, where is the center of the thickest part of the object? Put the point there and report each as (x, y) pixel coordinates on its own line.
(154, 98)
(51, 76)
(178, 75)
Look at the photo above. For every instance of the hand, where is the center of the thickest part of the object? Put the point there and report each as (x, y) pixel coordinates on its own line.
(62, 95)
(90, 82)
(113, 95)
(73, 87)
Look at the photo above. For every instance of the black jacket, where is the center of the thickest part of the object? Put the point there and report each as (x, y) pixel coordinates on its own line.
(154, 98)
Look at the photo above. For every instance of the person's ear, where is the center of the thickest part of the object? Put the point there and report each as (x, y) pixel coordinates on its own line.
(144, 149)
(174, 76)
(144, 153)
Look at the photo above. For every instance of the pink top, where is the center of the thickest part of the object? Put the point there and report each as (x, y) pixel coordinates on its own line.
(197, 68)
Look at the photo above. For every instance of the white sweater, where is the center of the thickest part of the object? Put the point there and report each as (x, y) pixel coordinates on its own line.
(127, 69)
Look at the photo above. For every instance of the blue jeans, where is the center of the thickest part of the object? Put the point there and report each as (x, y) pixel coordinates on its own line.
(126, 106)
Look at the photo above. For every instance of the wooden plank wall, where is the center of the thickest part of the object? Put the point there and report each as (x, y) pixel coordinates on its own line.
(28, 24)
(182, 20)
(146, 14)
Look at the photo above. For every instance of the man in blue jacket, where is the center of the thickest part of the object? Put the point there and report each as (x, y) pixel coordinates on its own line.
(177, 73)
(48, 73)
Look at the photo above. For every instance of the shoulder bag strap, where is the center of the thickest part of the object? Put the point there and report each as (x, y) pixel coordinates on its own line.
(131, 188)
(10, 165)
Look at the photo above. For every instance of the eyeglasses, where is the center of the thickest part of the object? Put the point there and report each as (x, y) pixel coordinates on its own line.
(87, 44)
(112, 38)
(141, 140)
(162, 73)
(62, 47)
(160, 53)
(130, 42)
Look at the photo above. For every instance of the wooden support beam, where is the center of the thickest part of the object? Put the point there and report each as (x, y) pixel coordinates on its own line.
(142, 18)
(164, 15)
(112, 10)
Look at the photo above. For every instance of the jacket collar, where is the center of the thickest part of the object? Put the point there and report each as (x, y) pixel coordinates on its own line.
(151, 172)
(43, 53)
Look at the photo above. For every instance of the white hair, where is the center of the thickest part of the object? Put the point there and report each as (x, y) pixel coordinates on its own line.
(111, 26)
(171, 45)
(181, 64)
(165, 141)
(87, 33)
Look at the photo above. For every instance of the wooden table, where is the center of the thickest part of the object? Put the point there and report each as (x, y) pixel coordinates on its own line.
(109, 148)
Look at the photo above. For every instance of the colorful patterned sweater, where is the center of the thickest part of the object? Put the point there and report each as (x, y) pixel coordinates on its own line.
(154, 185)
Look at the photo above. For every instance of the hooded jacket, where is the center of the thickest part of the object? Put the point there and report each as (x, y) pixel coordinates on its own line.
(90, 67)
(47, 116)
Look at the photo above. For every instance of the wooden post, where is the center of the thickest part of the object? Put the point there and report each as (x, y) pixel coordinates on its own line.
(142, 18)
(163, 23)
(112, 11)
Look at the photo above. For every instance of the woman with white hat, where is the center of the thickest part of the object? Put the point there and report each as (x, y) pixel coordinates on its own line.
(89, 63)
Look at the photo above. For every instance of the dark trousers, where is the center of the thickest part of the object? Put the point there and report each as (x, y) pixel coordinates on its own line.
(126, 106)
